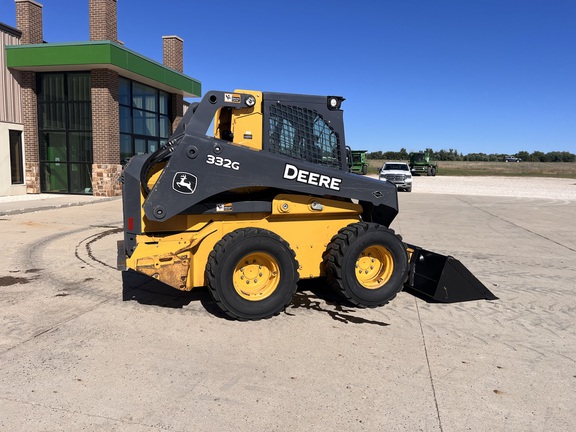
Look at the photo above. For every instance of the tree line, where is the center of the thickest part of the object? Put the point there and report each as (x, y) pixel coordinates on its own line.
(454, 155)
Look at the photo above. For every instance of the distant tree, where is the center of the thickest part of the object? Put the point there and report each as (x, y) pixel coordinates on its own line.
(374, 155)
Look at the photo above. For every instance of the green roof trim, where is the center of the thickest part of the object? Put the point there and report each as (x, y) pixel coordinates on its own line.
(100, 54)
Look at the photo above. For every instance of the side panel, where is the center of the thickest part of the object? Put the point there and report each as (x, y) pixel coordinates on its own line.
(180, 259)
(211, 167)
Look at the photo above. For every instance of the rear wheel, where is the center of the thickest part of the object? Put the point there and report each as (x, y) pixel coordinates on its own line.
(252, 274)
(367, 263)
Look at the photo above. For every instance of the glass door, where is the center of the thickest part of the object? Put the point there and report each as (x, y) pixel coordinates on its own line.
(65, 131)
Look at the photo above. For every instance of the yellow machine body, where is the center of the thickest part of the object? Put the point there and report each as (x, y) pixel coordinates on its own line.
(179, 260)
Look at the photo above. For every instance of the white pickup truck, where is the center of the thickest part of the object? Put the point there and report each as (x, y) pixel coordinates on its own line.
(397, 173)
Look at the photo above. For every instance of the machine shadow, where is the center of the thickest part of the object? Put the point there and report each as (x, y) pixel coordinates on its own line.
(312, 294)
(149, 291)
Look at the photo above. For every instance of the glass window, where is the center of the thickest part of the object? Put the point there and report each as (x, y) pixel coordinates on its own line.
(126, 150)
(80, 146)
(144, 118)
(53, 115)
(51, 88)
(124, 92)
(16, 158)
(144, 97)
(80, 178)
(79, 116)
(164, 126)
(53, 146)
(163, 103)
(65, 131)
(145, 123)
(79, 87)
(125, 119)
(139, 146)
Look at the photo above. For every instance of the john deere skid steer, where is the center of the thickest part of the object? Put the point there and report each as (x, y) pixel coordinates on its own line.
(266, 201)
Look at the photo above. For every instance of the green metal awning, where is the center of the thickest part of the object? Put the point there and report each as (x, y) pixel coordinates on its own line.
(73, 56)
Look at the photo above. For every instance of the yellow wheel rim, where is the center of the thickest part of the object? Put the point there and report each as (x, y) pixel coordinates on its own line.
(374, 267)
(256, 276)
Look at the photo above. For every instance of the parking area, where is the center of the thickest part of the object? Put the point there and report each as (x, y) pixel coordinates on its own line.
(84, 348)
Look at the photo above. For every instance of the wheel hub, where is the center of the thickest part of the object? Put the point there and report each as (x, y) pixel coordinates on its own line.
(256, 276)
(374, 267)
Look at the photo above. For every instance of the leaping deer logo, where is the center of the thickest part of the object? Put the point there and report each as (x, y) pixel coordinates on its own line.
(184, 183)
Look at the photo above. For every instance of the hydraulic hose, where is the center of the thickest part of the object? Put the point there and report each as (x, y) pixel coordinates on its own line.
(160, 155)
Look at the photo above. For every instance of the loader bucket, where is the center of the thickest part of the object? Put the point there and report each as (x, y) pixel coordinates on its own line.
(443, 278)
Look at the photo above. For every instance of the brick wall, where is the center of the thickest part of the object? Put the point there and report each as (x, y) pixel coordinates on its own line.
(173, 57)
(29, 21)
(105, 133)
(30, 119)
(173, 52)
(103, 20)
(177, 110)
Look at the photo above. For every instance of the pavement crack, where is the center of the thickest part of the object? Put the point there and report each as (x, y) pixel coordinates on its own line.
(429, 368)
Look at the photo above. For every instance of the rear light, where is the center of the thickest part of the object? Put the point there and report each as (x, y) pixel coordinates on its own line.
(130, 224)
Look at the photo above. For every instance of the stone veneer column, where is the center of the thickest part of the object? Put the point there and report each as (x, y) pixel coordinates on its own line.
(173, 56)
(106, 168)
(29, 22)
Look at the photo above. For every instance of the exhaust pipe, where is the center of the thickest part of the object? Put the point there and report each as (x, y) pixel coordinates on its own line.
(443, 278)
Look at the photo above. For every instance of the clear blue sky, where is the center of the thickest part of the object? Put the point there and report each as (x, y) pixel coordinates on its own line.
(491, 76)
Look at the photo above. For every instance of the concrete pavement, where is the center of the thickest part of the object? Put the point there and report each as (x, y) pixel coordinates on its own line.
(83, 349)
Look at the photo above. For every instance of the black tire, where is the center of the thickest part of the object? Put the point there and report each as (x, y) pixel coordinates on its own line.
(244, 256)
(351, 256)
(409, 189)
(433, 172)
(364, 169)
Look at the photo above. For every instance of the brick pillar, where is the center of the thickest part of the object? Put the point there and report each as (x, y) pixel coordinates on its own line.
(29, 21)
(103, 18)
(106, 168)
(30, 119)
(173, 56)
(177, 110)
(173, 50)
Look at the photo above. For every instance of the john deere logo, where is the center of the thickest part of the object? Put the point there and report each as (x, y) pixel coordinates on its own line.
(184, 183)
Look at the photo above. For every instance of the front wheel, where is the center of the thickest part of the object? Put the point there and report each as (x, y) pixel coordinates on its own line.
(367, 263)
(252, 274)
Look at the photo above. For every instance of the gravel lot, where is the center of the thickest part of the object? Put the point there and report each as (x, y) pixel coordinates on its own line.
(518, 187)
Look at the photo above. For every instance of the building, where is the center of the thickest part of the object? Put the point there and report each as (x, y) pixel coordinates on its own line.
(11, 124)
(77, 110)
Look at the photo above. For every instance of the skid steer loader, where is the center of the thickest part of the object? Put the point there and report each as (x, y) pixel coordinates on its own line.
(266, 201)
